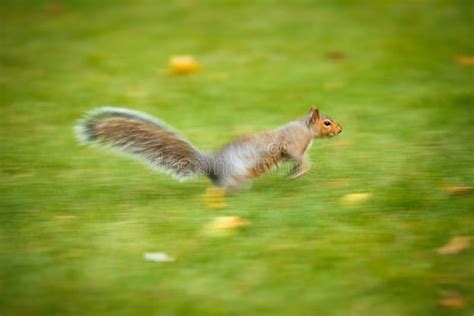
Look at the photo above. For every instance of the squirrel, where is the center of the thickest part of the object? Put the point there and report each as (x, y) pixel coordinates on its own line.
(155, 143)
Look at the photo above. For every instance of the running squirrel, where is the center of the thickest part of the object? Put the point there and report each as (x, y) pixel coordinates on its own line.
(158, 145)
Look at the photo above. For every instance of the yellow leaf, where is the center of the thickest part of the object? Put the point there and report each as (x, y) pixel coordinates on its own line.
(183, 64)
(224, 225)
(356, 198)
(455, 245)
(215, 198)
(465, 60)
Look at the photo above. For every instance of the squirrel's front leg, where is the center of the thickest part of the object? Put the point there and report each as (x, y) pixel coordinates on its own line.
(302, 165)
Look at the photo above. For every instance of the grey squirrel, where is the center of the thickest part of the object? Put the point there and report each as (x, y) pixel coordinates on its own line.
(155, 143)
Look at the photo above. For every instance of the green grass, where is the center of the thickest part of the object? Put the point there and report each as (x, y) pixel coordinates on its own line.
(75, 221)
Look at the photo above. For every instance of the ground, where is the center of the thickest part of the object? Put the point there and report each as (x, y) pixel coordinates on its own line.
(75, 221)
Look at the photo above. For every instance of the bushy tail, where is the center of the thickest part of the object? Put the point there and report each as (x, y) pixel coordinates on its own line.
(143, 137)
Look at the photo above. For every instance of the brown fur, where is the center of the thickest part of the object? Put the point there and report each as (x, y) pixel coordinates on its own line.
(149, 141)
(124, 131)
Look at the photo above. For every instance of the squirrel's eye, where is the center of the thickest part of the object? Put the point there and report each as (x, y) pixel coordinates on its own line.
(327, 123)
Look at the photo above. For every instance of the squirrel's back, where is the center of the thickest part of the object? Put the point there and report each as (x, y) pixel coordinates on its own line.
(252, 155)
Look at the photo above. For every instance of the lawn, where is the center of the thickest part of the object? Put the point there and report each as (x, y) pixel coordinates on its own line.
(76, 221)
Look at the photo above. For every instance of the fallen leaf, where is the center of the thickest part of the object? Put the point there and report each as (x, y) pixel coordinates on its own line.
(458, 190)
(54, 9)
(224, 225)
(356, 198)
(455, 245)
(454, 301)
(215, 198)
(465, 60)
(336, 56)
(157, 257)
(337, 183)
(183, 64)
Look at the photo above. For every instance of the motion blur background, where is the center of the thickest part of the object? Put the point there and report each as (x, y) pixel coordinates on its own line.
(381, 226)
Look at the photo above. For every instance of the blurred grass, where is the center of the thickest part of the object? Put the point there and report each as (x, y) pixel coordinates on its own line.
(76, 221)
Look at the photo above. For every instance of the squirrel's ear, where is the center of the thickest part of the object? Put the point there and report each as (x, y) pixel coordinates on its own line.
(314, 114)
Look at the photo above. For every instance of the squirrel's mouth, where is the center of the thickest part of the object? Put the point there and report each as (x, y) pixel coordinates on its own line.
(335, 133)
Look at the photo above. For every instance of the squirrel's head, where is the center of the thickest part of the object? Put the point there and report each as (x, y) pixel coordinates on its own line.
(321, 125)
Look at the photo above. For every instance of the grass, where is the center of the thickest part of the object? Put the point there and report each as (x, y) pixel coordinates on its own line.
(76, 221)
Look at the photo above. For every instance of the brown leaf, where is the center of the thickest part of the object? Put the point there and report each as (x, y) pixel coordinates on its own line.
(454, 301)
(54, 9)
(465, 60)
(458, 190)
(337, 183)
(336, 56)
(455, 245)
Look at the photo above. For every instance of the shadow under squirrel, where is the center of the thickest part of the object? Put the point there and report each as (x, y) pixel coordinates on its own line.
(155, 143)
